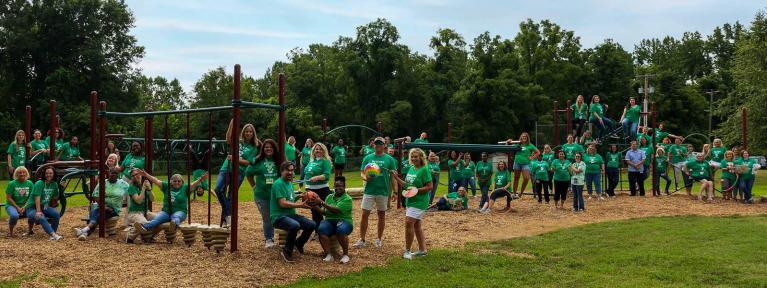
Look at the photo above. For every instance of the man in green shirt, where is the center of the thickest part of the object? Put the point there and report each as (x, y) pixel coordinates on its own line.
(337, 208)
(422, 138)
(339, 158)
(282, 213)
(116, 189)
(377, 190)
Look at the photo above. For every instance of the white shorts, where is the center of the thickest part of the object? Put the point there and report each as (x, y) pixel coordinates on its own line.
(374, 202)
(415, 213)
(714, 164)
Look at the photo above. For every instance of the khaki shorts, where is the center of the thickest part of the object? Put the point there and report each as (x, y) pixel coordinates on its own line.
(374, 202)
(136, 217)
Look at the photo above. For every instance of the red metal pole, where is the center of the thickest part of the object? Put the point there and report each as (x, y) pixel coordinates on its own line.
(399, 172)
(324, 129)
(569, 117)
(282, 134)
(745, 129)
(148, 148)
(449, 132)
(188, 173)
(167, 162)
(94, 141)
(654, 143)
(556, 124)
(27, 132)
(52, 136)
(102, 170)
(235, 156)
(210, 153)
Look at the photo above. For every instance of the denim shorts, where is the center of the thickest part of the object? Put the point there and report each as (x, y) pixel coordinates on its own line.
(517, 167)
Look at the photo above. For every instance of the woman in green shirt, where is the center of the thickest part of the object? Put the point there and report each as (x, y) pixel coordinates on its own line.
(630, 119)
(339, 158)
(317, 175)
(548, 156)
(700, 170)
(522, 159)
(174, 210)
(578, 171)
(560, 167)
(306, 157)
(70, 151)
(541, 178)
(249, 144)
(612, 170)
(571, 147)
(598, 118)
(729, 174)
(595, 167)
(16, 195)
(39, 150)
(661, 171)
(484, 174)
(467, 172)
(337, 208)
(133, 160)
(454, 177)
(502, 181)
(40, 204)
(264, 169)
(746, 181)
(290, 149)
(17, 152)
(417, 177)
(580, 115)
(434, 168)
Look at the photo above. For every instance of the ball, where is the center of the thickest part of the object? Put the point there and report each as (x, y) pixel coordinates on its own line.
(310, 197)
(372, 170)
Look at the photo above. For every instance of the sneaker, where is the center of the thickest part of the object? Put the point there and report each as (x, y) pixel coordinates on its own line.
(601, 198)
(78, 232)
(300, 248)
(407, 255)
(227, 222)
(485, 211)
(55, 237)
(379, 243)
(129, 241)
(345, 259)
(316, 237)
(82, 236)
(286, 257)
(359, 244)
(328, 258)
(140, 228)
(420, 253)
(269, 243)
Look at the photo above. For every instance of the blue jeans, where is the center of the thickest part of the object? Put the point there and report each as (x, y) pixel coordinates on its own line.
(49, 226)
(656, 183)
(601, 128)
(223, 197)
(578, 197)
(263, 208)
(13, 214)
(93, 216)
(484, 188)
(434, 185)
(468, 183)
(163, 217)
(452, 185)
(291, 224)
(745, 186)
(335, 227)
(629, 128)
(594, 178)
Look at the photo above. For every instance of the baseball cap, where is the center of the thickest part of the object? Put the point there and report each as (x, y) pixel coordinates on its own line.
(379, 141)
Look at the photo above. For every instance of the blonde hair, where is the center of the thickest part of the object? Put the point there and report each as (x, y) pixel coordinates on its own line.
(524, 134)
(16, 136)
(117, 160)
(20, 169)
(660, 149)
(254, 142)
(730, 153)
(421, 156)
(324, 151)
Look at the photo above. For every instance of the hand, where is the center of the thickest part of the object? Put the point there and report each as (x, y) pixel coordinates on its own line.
(229, 157)
(38, 215)
(601, 122)
(147, 185)
(20, 210)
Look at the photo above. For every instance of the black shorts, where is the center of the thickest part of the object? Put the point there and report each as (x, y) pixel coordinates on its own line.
(498, 193)
(339, 166)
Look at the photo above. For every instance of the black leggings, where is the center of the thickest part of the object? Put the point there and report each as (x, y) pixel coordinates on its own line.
(542, 185)
(497, 193)
(560, 190)
(323, 193)
(578, 125)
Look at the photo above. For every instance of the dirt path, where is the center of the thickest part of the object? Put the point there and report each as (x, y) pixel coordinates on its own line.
(110, 262)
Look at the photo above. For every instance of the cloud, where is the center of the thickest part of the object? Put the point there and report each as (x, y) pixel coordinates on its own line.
(189, 26)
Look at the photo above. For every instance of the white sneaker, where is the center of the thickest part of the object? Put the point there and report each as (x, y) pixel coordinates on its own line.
(82, 236)
(345, 259)
(359, 244)
(328, 258)
(78, 231)
(269, 243)
(407, 255)
(589, 197)
(379, 243)
(601, 198)
(486, 211)
(55, 237)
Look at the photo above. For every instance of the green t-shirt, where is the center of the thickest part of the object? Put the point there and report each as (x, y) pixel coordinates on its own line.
(419, 140)
(132, 205)
(59, 143)
(405, 162)
(19, 192)
(548, 157)
(317, 167)
(70, 153)
(580, 112)
(196, 174)
(717, 153)
(698, 170)
(343, 203)
(306, 155)
(749, 163)
(18, 155)
(647, 154)
(467, 171)
(367, 150)
(648, 137)
(540, 170)
(678, 153)
(281, 189)
(452, 199)
(593, 163)
(434, 168)
(265, 172)
(522, 156)
(661, 163)
(46, 192)
(454, 173)
(501, 178)
(659, 135)
(39, 145)
(484, 171)
(115, 193)
(290, 152)
(633, 113)
(178, 198)
(596, 108)
(726, 173)
(560, 169)
(580, 177)
(417, 178)
(247, 152)
(614, 159)
(130, 162)
(571, 149)
(339, 155)
(379, 185)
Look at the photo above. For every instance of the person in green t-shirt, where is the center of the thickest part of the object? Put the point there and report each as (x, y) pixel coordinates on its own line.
(41, 203)
(729, 174)
(418, 177)
(139, 196)
(133, 160)
(175, 206)
(612, 169)
(484, 175)
(700, 170)
(661, 171)
(368, 149)
(423, 138)
(597, 117)
(560, 167)
(468, 169)
(453, 201)
(570, 148)
(339, 158)
(715, 155)
(678, 155)
(70, 151)
(248, 148)
(454, 177)
(527, 152)
(630, 119)
(548, 156)
(17, 152)
(337, 208)
(435, 169)
(39, 151)
(290, 149)
(282, 212)
(16, 197)
(578, 171)
(502, 182)
(377, 191)
(317, 175)
(541, 178)
(580, 115)
(264, 170)
(306, 157)
(595, 167)
(747, 176)
(116, 189)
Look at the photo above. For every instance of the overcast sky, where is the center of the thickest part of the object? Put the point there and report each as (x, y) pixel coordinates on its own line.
(184, 39)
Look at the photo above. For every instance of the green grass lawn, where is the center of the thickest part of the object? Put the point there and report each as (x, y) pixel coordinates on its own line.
(687, 251)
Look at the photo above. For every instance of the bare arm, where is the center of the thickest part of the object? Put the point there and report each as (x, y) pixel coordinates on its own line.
(286, 204)
(151, 178)
(229, 133)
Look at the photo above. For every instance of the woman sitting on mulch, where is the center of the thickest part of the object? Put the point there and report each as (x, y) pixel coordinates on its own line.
(337, 208)
(455, 201)
(179, 195)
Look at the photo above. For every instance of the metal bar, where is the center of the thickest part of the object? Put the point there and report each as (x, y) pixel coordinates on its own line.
(246, 104)
(173, 140)
(462, 147)
(52, 132)
(399, 172)
(102, 171)
(188, 174)
(235, 163)
(171, 112)
(569, 115)
(94, 142)
(281, 119)
(556, 125)
(210, 154)
(167, 149)
(654, 143)
(324, 129)
(149, 149)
